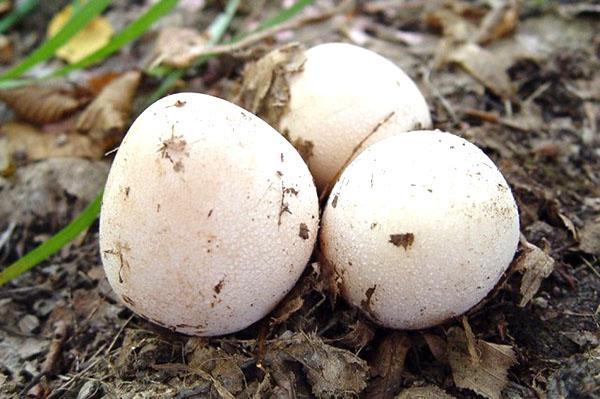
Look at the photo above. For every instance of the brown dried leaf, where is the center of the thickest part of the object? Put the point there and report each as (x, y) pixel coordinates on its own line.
(25, 142)
(177, 47)
(221, 365)
(499, 22)
(536, 265)
(331, 371)
(45, 104)
(590, 237)
(486, 376)
(453, 26)
(106, 118)
(426, 392)
(265, 90)
(6, 50)
(359, 336)
(484, 65)
(287, 308)
(387, 366)
(438, 347)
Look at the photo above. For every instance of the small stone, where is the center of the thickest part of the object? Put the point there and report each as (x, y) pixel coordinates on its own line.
(89, 390)
(28, 324)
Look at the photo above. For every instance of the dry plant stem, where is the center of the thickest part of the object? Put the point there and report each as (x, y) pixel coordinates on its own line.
(61, 328)
(201, 51)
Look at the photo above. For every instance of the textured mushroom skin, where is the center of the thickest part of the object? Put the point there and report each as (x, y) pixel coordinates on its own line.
(345, 98)
(209, 216)
(419, 228)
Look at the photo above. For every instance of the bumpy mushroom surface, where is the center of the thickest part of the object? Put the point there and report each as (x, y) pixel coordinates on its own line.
(419, 228)
(345, 98)
(209, 216)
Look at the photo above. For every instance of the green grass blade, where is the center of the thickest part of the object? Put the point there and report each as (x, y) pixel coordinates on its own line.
(54, 243)
(78, 21)
(280, 17)
(130, 33)
(17, 14)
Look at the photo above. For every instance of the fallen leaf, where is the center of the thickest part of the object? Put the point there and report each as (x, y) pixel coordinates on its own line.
(426, 392)
(358, 337)
(5, 6)
(265, 88)
(438, 347)
(589, 237)
(6, 50)
(89, 39)
(107, 117)
(286, 309)
(536, 265)
(486, 375)
(482, 64)
(331, 372)
(177, 47)
(23, 142)
(500, 21)
(222, 366)
(387, 366)
(98, 82)
(453, 26)
(41, 104)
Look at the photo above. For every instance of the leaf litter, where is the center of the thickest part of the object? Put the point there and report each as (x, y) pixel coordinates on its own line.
(532, 107)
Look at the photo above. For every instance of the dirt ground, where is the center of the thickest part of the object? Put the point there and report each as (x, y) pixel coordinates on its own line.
(519, 79)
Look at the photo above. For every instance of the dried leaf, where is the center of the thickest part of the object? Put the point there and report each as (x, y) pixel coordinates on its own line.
(426, 392)
(265, 89)
(224, 367)
(358, 337)
(287, 308)
(387, 366)
(487, 376)
(499, 22)
(22, 141)
(6, 50)
(590, 237)
(536, 265)
(89, 39)
(106, 118)
(438, 347)
(331, 371)
(44, 104)
(484, 65)
(177, 47)
(452, 26)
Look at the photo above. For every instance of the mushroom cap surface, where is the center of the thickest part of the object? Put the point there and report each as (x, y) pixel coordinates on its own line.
(209, 216)
(419, 228)
(345, 98)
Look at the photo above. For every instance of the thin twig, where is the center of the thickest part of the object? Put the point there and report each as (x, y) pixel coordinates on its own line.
(185, 60)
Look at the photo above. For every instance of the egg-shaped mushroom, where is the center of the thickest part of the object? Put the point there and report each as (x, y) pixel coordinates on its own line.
(209, 216)
(419, 228)
(343, 99)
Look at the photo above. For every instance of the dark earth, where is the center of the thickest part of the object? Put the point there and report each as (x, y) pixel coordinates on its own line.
(520, 79)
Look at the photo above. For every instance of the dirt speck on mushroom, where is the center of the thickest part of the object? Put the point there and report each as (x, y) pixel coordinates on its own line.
(303, 231)
(402, 240)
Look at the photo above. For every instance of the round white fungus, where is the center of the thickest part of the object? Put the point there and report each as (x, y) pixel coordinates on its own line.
(209, 216)
(345, 98)
(419, 228)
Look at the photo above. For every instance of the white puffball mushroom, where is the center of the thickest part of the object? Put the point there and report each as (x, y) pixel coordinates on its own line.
(419, 228)
(209, 216)
(345, 98)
